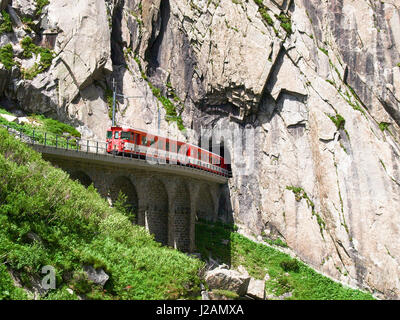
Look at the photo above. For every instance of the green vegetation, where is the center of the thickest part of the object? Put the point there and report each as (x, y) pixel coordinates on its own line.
(124, 207)
(384, 126)
(264, 13)
(6, 25)
(324, 51)
(109, 98)
(40, 4)
(398, 64)
(286, 22)
(7, 289)
(41, 124)
(76, 227)
(7, 56)
(263, 10)
(259, 259)
(4, 111)
(276, 242)
(338, 120)
(226, 293)
(301, 194)
(46, 58)
(290, 265)
(45, 129)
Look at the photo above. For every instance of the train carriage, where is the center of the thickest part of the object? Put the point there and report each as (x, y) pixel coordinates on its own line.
(140, 144)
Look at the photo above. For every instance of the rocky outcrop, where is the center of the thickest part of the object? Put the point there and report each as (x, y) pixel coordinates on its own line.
(97, 276)
(317, 82)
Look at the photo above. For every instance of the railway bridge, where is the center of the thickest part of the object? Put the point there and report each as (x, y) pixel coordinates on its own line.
(166, 198)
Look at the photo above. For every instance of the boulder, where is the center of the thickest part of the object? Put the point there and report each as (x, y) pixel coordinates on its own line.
(256, 289)
(225, 279)
(98, 276)
(8, 117)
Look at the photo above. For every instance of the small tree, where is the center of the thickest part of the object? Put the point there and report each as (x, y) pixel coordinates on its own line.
(122, 205)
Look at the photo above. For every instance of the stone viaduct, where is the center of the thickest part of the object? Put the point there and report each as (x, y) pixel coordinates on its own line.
(166, 199)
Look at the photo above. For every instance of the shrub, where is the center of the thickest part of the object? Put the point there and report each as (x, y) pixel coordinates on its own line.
(46, 58)
(6, 25)
(40, 4)
(290, 265)
(7, 56)
(338, 120)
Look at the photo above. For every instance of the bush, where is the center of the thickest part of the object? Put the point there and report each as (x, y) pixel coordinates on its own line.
(6, 25)
(40, 4)
(7, 56)
(290, 265)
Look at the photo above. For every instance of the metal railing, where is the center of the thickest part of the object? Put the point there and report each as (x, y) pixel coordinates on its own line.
(48, 139)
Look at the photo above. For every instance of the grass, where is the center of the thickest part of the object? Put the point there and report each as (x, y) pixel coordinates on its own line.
(286, 274)
(286, 22)
(324, 51)
(338, 120)
(48, 125)
(77, 227)
(226, 293)
(383, 126)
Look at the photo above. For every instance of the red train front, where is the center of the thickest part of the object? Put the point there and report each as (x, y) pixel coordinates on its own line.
(138, 144)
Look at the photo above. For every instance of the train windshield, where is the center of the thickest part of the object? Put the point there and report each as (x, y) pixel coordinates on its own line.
(116, 136)
(109, 134)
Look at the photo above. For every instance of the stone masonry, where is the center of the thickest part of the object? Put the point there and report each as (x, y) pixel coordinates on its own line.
(168, 205)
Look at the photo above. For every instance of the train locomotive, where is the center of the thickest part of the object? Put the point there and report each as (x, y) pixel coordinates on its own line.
(140, 144)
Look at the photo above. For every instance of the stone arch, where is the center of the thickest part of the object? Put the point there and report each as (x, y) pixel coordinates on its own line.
(182, 217)
(156, 210)
(205, 207)
(82, 177)
(124, 185)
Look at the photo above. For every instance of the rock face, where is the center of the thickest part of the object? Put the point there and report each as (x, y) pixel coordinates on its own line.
(318, 83)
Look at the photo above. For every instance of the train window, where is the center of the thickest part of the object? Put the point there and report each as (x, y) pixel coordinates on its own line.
(144, 141)
(173, 147)
(116, 135)
(125, 135)
(109, 134)
(167, 146)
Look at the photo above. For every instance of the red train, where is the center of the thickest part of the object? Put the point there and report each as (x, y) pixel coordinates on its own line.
(139, 144)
